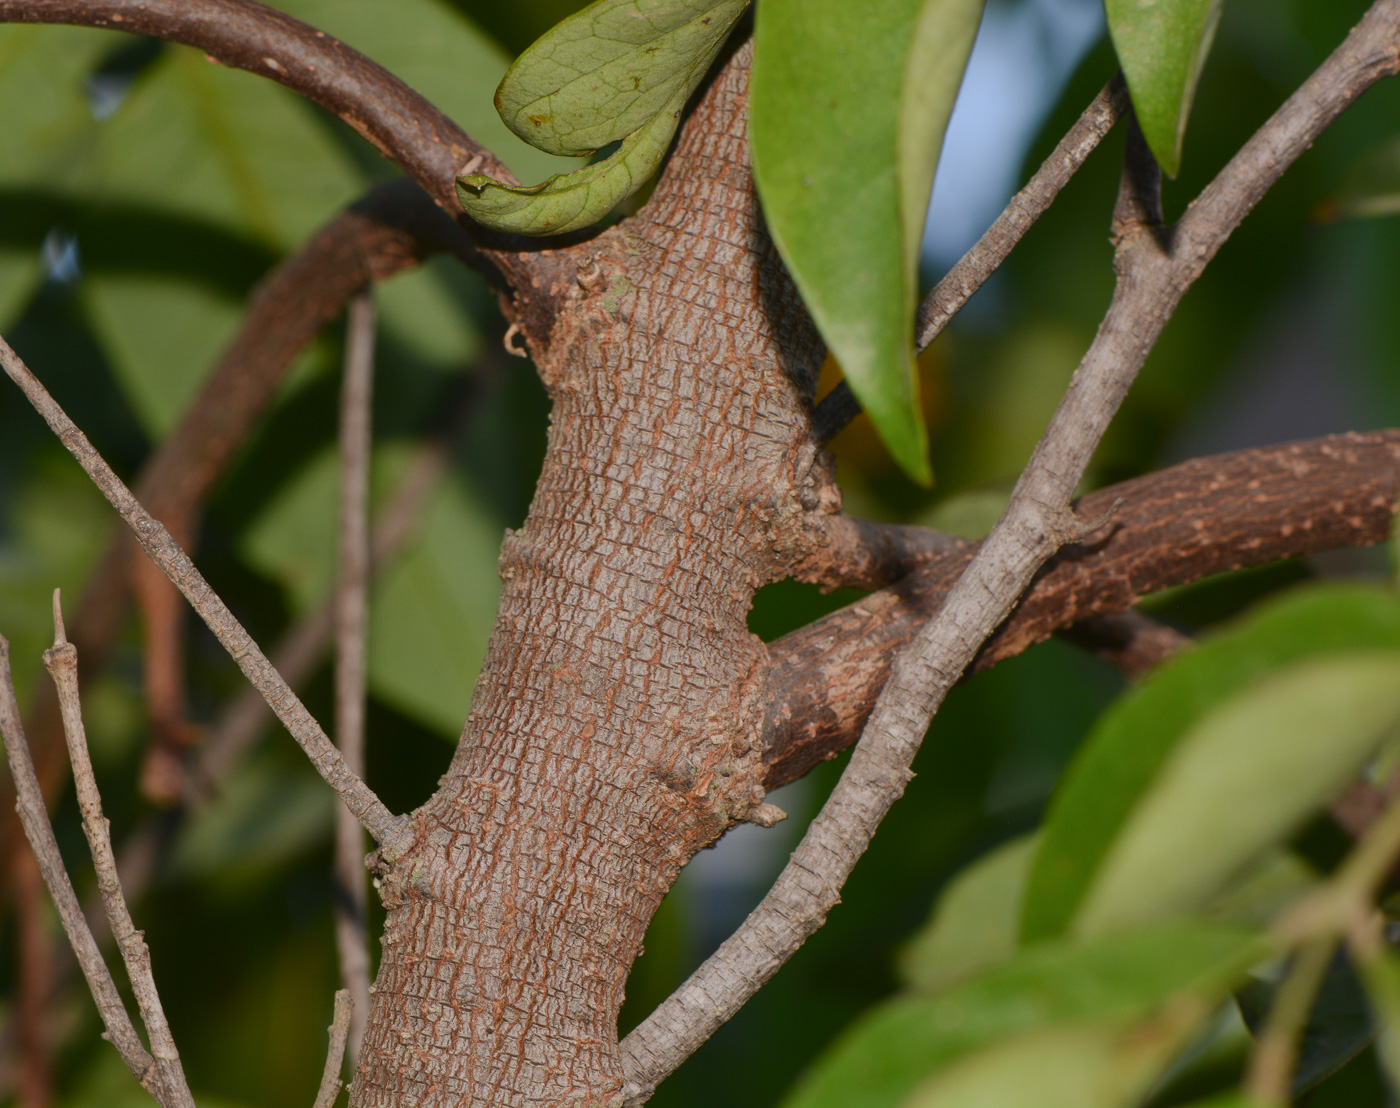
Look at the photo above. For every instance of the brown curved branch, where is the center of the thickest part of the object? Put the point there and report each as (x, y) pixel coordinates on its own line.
(1172, 527)
(244, 34)
(392, 228)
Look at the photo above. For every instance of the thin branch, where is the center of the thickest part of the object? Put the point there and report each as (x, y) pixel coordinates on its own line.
(34, 817)
(1269, 1080)
(1205, 516)
(351, 604)
(335, 1052)
(1131, 642)
(156, 541)
(62, 663)
(34, 997)
(390, 229)
(1035, 524)
(958, 285)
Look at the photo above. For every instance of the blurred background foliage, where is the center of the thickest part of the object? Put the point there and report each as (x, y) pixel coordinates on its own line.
(144, 192)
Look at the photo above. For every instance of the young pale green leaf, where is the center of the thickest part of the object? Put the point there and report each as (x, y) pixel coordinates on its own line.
(1124, 754)
(1241, 780)
(1371, 187)
(976, 923)
(570, 201)
(610, 69)
(845, 194)
(1162, 47)
(1103, 1064)
(881, 1058)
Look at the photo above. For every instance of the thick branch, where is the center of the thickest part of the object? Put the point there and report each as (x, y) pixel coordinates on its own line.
(157, 543)
(1204, 516)
(62, 663)
(956, 288)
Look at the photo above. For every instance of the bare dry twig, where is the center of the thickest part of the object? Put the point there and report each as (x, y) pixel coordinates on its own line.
(34, 817)
(948, 297)
(1154, 272)
(62, 663)
(335, 1052)
(175, 563)
(351, 603)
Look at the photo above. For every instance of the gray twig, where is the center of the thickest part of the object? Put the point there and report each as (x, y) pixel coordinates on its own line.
(1154, 272)
(62, 663)
(948, 297)
(335, 1052)
(175, 563)
(34, 817)
(351, 602)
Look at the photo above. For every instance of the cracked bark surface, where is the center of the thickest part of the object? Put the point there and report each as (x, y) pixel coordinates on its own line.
(614, 730)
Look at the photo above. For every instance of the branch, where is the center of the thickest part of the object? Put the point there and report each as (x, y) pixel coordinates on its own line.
(243, 34)
(1205, 516)
(335, 1052)
(175, 563)
(1035, 524)
(391, 228)
(351, 603)
(1131, 642)
(948, 297)
(34, 817)
(62, 664)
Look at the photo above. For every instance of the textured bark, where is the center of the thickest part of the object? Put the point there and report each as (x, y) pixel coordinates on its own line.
(614, 728)
(1204, 516)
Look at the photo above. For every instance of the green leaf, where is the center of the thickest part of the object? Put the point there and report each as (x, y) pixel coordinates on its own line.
(1370, 187)
(1122, 757)
(611, 69)
(432, 612)
(1105, 1064)
(618, 70)
(845, 193)
(1243, 778)
(1380, 973)
(1162, 47)
(890, 1049)
(570, 201)
(975, 924)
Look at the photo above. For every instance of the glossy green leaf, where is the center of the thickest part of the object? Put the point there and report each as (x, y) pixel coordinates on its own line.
(976, 922)
(882, 1057)
(1371, 186)
(1104, 1064)
(570, 201)
(846, 193)
(1242, 779)
(610, 69)
(1162, 47)
(1124, 754)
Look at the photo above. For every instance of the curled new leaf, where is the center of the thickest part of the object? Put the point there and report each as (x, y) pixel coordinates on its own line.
(620, 70)
(1162, 46)
(608, 70)
(569, 201)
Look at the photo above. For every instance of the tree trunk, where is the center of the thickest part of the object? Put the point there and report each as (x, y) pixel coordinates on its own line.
(614, 729)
